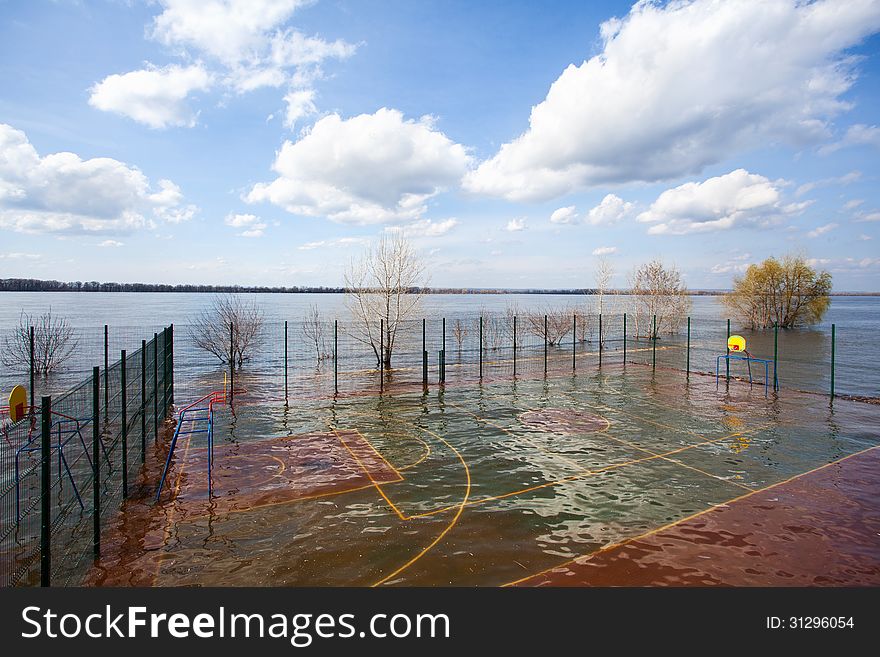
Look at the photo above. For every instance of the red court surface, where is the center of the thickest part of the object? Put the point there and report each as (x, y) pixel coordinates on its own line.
(824, 521)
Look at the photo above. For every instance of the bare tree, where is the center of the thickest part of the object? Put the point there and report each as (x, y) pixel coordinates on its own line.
(384, 287)
(313, 331)
(585, 324)
(459, 332)
(512, 314)
(558, 324)
(493, 332)
(658, 292)
(54, 343)
(230, 328)
(604, 272)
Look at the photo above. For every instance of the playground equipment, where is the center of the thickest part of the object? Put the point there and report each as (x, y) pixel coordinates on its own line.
(737, 345)
(197, 417)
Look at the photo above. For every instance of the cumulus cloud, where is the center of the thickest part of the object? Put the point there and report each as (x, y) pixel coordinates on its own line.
(682, 85)
(424, 228)
(566, 215)
(515, 225)
(153, 96)
(605, 250)
(251, 225)
(610, 210)
(719, 203)
(821, 230)
(369, 169)
(62, 193)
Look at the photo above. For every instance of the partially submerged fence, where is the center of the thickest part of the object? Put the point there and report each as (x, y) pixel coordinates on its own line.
(71, 462)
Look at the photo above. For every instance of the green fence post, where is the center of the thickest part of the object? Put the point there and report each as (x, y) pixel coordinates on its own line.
(96, 462)
(171, 364)
(33, 401)
(727, 360)
(688, 368)
(106, 371)
(155, 387)
(335, 355)
(624, 338)
(654, 345)
(381, 354)
(164, 373)
(231, 361)
(424, 354)
(45, 495)
(124, 418)
(285, 362)
(574, 329)
(143, 401)
(600, 339)
(545, 344)
(514, 345)
(481, 347)
(775, 354)
(444, 336)
(833, 346)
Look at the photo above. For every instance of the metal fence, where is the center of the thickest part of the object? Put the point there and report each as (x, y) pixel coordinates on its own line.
(70, 463)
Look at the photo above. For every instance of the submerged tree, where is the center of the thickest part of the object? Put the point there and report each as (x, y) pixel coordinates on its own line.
(659, 292)
(230, 328)
(788, 292)
(54, 343)
(313, 331)
(383, 289)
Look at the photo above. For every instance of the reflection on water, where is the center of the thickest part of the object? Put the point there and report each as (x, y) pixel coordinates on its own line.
(484, 497)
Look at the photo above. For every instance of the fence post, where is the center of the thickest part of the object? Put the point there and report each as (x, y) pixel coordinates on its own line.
(514, 345)
(335, 355)
(654, 345)
(545, 344)
(45, 496)
(727, 360)
(444, 336)
(33, 401)
(231, 361)
(143, 400)
(481, 347)
(96, 462)
(624, 338)
(381, 354)
(171, 364)
(600, 339)
(155, 387)
(574, 330)
(164, 372)
(106, 371)
(285, 362)
(424, 354)
(833, 345)
(688, 366)
(775, 353)
(124, 418)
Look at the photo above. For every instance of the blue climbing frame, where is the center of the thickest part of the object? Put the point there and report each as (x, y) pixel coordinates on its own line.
(749, 360)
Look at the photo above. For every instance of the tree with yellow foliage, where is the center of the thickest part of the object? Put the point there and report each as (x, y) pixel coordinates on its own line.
(788, 292)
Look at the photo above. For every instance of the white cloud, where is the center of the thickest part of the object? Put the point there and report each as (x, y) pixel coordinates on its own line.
(729, 267)
(61, 193)
(843, 180)
(253, 226)
(719, 203)
(515, 225)
(340, 242)
(300, 104)
(369, 169)
(19, 256)
(605, 250)
(111, 244)
(566, 215)
(868, 216)
(853, 204)
(153, 96)
(425, 228)
(865, 238)
(821, 230)
(610, 210)
(857, 134)
(683, 85)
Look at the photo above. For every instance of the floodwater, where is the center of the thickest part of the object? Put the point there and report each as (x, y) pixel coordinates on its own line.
(485, 484)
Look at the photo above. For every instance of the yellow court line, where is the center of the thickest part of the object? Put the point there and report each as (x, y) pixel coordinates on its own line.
(384, 460)
(656, 530)
(426, 454)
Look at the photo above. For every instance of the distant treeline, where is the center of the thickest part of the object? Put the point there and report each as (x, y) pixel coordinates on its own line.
(37, 285)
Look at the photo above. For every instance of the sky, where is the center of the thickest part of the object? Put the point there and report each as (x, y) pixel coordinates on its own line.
(516, 144)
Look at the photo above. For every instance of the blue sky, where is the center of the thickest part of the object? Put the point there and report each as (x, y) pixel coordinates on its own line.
(515, 143)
